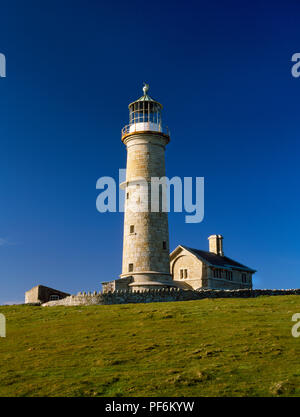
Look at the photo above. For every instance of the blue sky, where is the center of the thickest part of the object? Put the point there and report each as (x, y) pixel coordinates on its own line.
(223, 73)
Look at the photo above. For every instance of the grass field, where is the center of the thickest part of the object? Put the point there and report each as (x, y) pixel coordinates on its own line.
(212, 347)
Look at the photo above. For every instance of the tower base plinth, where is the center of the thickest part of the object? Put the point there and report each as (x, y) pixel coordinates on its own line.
(149, 280)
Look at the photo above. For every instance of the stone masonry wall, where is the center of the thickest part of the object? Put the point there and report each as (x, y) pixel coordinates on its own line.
(161, 295)
(146, 236)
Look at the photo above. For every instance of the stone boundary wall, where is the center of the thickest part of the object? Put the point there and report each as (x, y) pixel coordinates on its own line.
(160, 295)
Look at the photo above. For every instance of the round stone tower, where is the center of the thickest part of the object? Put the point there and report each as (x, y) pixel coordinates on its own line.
(146, 234)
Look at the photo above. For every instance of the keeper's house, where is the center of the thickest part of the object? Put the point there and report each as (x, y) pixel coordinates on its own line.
(194, 268)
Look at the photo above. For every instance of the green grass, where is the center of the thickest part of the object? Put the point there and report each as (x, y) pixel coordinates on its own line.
(212, 347)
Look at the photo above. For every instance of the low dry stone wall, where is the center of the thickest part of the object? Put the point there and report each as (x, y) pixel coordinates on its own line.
(161, 295)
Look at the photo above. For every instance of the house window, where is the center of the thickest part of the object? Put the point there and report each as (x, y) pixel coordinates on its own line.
(217, 273)
(164, 244)
(244, 278)
(130, 267)
(228, 275)
(183, 273)
(54, 297)
(131, 228)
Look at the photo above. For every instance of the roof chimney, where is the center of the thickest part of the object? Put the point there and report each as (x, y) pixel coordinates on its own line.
(216, 244)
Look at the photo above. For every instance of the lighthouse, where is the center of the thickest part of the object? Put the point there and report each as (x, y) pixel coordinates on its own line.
(146, 263)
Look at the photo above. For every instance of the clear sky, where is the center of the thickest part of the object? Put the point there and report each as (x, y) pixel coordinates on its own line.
(221, 69)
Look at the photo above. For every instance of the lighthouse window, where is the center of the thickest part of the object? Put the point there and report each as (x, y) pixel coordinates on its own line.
(132, 228)
(164, 244)
(130, 267)
(127, 196)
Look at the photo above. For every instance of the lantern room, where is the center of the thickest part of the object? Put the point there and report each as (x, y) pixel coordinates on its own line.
(145, 115)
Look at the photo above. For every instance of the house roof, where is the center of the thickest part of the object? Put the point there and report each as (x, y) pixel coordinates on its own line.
(216, 260)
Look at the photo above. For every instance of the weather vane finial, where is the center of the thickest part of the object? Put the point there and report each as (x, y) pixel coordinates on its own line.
(145, 88)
